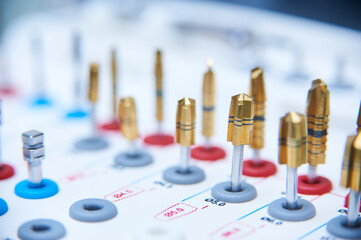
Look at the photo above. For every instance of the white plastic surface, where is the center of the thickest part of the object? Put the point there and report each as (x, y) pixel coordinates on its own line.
(140, 194)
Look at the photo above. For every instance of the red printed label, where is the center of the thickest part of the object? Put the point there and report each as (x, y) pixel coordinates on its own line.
(80, 176)
(175, 211)
(234, 230)
(123, 193)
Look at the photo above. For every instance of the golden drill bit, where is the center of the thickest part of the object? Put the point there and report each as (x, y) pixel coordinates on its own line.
(257, 91)
(351, 167)
(159, 86)
(359, 120)
(318, 109)
(128, 118)
(208, 101)
(114, 82)
(292, 140)
(186, 122)
(93, 83)
(240, 120)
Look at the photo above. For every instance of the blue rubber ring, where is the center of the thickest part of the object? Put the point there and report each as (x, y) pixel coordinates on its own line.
(41, 102)
(3, 207)
(222, 191)
(93, 210)
(175, 175)
(92, 143)
(49, 188)
(76, 114)
(41, 229)
(338, 227)
(141, 158)
(305, 210)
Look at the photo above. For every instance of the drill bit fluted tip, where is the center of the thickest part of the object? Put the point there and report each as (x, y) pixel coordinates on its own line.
(158, 71)
(186, 120)
(240, 120)
(359, 119)
(257, 91)
(351, 167)
(257, 87)
(93, 83)
(128, 118)
(208, 101)
(318, 110)
(292, 140)
(114, 81)
(318, 99)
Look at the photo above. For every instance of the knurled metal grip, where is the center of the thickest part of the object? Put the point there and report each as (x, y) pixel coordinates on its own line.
(33, 146)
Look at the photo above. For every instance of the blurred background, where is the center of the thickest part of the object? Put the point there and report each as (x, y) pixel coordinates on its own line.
(46, 46)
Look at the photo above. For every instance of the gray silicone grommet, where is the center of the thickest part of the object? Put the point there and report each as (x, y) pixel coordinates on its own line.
(338, 227)
(222, 192)
(92, 143)
(159, 232)
(92, 210)
(278, 210)
(41, 229)
(142, 158)
(175, 175)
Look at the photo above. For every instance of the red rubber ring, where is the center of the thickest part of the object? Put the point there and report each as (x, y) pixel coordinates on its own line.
(264, 169)
(7, 91)
(6, 171)
(159, 139)
(322, 186)
(346, 202)
(111, 126)
(207, 154)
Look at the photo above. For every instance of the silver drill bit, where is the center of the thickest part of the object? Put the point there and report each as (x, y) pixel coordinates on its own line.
(33, 150)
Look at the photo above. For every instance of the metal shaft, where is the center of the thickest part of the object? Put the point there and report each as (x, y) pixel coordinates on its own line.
(207, 143)
(291, 191)
(353, 208)
(93, 120)
(159, 127)
(38, 57)
(312, 174)
(184, 158)
(256, 157)
(237, 163)
(132, 148)
(35, 173)
(77, 69)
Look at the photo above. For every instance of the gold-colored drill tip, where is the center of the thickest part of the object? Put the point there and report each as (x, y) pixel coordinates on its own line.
(208, 101)
(240, 120)
(351, 167)
(292, 140)
(359, 120)
(114, 81)
(257, 91)
(93, 83)
(186, 122)
(159, 85)
(318, 110)
(128, 118)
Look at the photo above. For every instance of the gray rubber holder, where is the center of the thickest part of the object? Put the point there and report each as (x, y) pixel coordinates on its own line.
(41, 229)
(92, 210)
(278, 210)
(92, 143)
(337, 227)
(222, 191)
(174, 175)
(142, 158)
